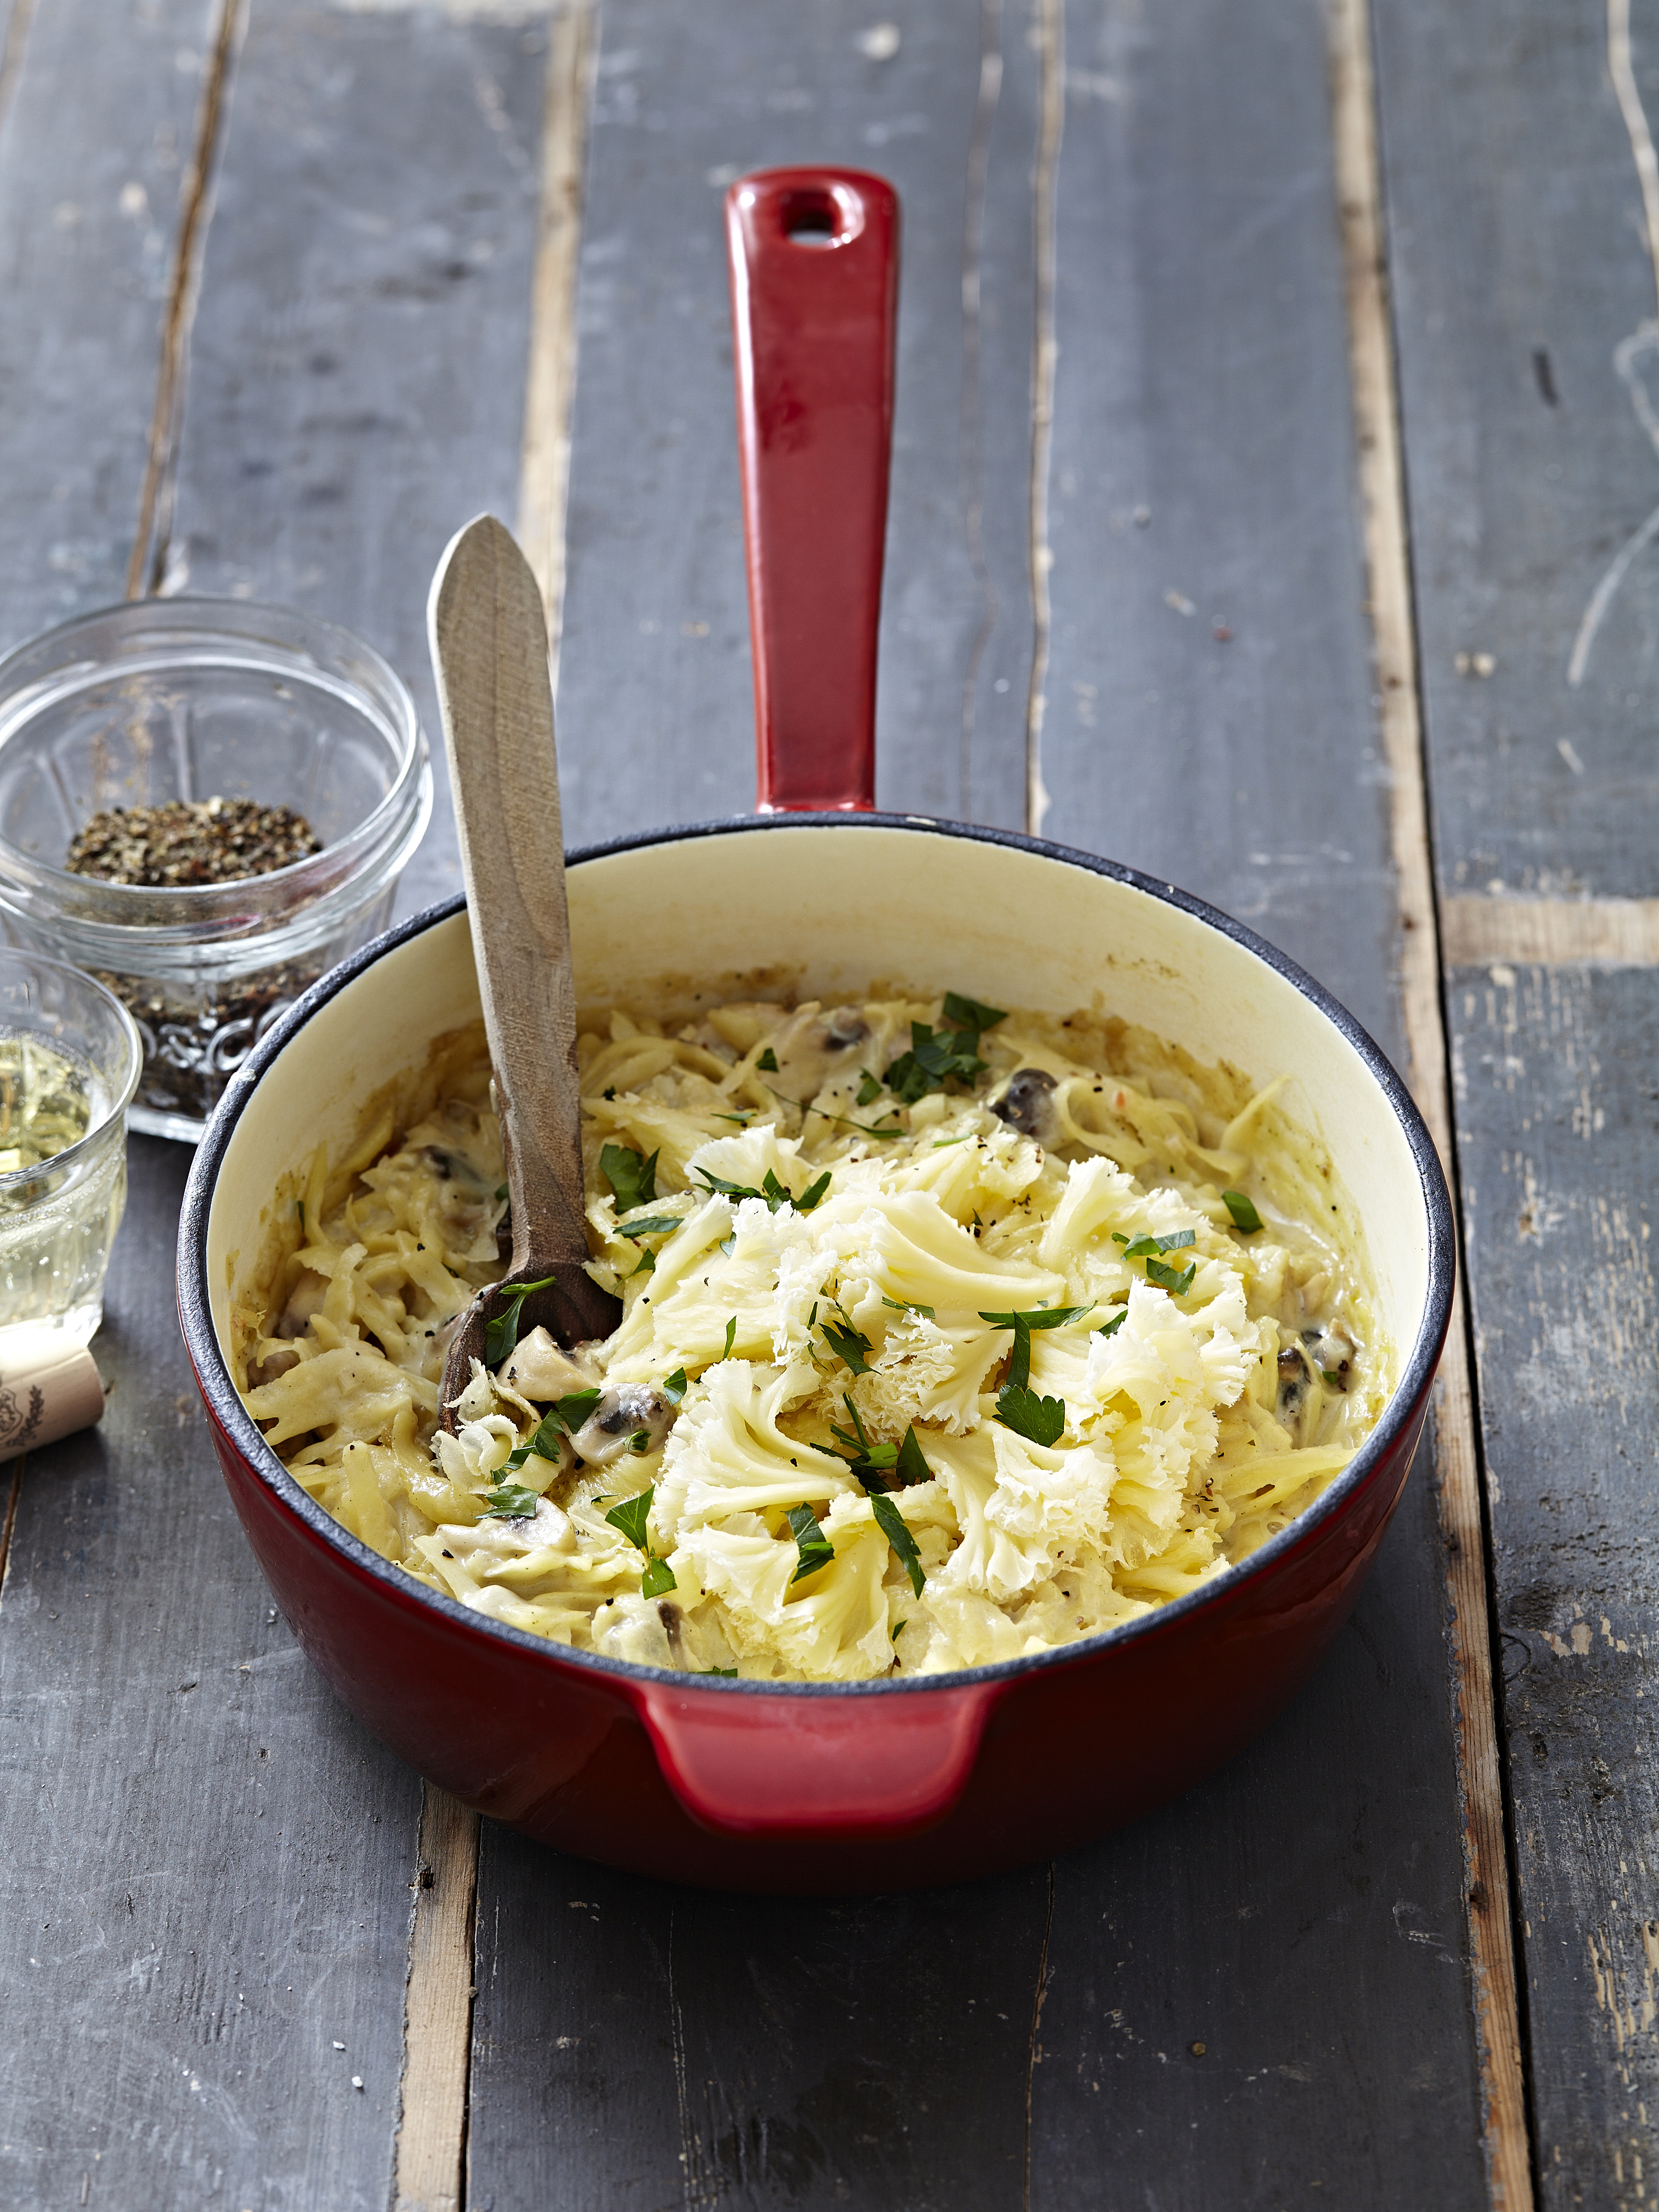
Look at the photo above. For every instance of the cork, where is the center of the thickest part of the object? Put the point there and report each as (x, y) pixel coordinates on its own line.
(50, 1386)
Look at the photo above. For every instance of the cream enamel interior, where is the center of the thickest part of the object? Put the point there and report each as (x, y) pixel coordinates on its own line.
(831, 909)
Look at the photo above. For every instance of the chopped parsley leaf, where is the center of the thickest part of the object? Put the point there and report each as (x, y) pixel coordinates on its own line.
(501, 1332)
(731, 1337)
(632, 1178)
(654, 1224)
(1169, 1278)
(1245, 1216)
(768, 1062)
(1041, 1419)
(1111, 1327)
(814, 1546)
(647, 1266)
(730, 1672)
(1019, 1359)
(771, 1190)
(813, 1192)
(640, 1443)
(1148, 1247)
(848, 1344)
(631, 1516)
(869, 1088)
(501, 1194)
(968, 1014)
(562, 1419)
(933, 1061)
(890, 1522)
(659, 1577)
(911, 1467)
(674, 1386)
(868, 1461)
(507, 1502)
(907, 1305)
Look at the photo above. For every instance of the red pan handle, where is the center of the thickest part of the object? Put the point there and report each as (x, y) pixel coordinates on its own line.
(788, 1766)
(814, 302)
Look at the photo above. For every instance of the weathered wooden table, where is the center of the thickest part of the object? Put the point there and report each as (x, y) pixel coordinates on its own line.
(1274, 507)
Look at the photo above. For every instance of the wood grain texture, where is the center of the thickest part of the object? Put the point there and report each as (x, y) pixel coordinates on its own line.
(1556, 1094)
(1551, 933)
(89, 217)
(1307, 1907)
(550, 378)
(489, 655)
(204, 1864)
(1525, 299)
(438, 2010)
(674, 2047)
(655, 665)
(1525, 293)
(1209, 712)
(1489, 1933)
(356, 379)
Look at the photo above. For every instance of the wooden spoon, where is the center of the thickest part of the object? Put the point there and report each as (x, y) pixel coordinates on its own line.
(490, 654)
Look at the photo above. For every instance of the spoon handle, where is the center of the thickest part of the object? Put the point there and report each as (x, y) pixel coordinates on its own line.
(490, 653)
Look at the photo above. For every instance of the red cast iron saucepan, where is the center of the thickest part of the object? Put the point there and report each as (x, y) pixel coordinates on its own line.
(747, 1785)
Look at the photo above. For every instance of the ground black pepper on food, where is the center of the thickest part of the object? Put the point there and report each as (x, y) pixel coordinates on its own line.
(191, 840)
(194, 1044)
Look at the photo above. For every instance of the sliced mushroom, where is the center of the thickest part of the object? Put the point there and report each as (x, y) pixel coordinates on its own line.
(624, 1413)
(1294, 1380)
(1027, 1105)
(1331, 1349)
(843, 1029)
(537, 1369)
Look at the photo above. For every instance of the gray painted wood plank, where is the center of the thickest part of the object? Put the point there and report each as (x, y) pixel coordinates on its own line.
(204, 1869)
(91, 161)
(1302, 1914)
(1203, 481)
(1524, 298)
(757, 2051)
(265, 1843)
(356, 372)
(1557, 1140)
(655, 666)
(1524, 293)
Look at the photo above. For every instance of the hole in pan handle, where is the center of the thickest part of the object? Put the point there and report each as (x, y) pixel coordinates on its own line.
(814, 256)
(750, 1764)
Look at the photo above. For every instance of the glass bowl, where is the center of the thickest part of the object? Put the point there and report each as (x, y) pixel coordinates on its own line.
(196, 699)
(59, 1217)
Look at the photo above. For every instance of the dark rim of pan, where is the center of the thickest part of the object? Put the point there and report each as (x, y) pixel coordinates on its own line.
(202, 1342)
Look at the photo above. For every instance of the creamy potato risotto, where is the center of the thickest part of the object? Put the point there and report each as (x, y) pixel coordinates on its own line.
(949, 1334)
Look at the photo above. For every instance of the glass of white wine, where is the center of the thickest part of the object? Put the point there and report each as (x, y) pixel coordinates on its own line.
(70, 1062)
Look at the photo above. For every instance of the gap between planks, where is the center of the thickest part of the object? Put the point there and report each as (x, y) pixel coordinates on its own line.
(1491, 1932)
(431, 2142)
(147, 570)
(1048, 34)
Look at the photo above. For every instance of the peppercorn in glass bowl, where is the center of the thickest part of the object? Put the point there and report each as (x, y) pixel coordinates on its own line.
(118, 731)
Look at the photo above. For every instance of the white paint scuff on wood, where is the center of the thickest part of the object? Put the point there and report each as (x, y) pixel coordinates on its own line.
(1644, 338)
(1383, 495)
(1542, 933)
(438, 2010)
